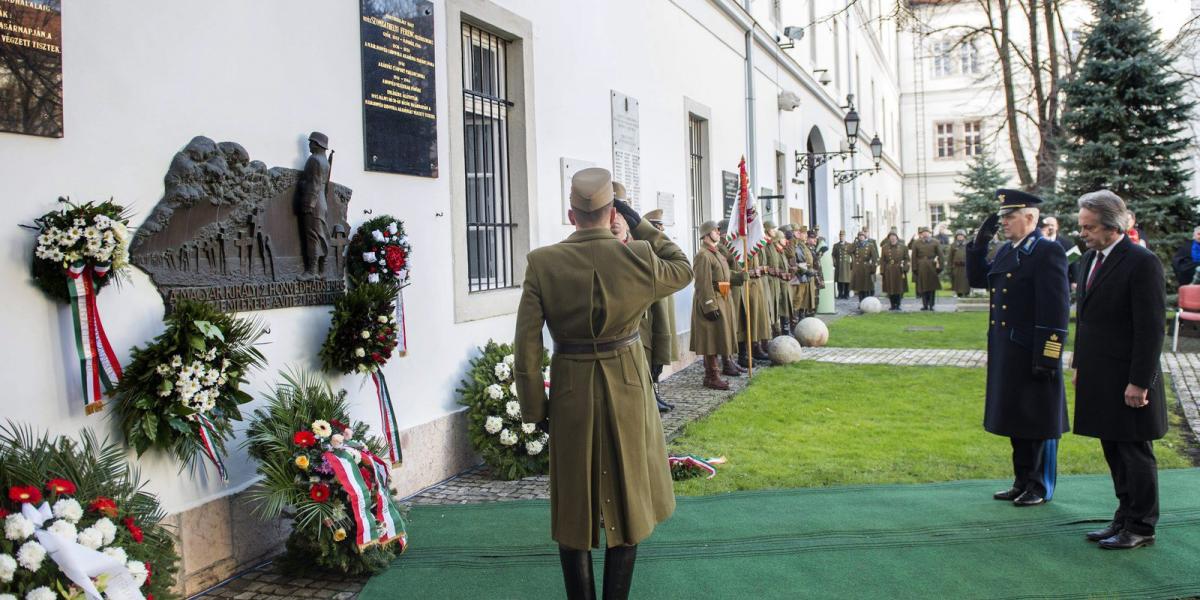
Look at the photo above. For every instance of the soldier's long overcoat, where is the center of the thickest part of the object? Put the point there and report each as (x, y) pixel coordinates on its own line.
(957, 259)
(866, 260)
(893, 264)
(927, 262)
(712, 337)
(607, 454)
(843, 261)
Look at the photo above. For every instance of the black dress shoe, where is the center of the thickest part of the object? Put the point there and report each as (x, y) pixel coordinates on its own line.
(1101, 534)
(1010, 494)
(1126, 540)
(1028, 498)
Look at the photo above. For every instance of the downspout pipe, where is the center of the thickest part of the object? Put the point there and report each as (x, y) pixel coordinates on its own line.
(751, 138)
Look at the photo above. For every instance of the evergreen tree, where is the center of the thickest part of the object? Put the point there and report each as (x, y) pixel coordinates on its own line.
(1125, 126)
(977, 193)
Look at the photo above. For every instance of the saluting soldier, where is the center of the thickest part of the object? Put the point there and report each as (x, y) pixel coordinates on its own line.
(893, 266)
(659, 326)
(927, 261)
(713, 320)
(957, 258)
(608, 458)
(866, 260)
(806, 269)
(1027, 329)
(843, 264)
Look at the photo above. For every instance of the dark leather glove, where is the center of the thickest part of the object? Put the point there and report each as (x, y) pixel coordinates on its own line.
(627, 211)
(713, 316)
(544, 426)
(988, 229)
(1041, 373)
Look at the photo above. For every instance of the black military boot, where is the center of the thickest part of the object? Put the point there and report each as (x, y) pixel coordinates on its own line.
(618, 571)
(932, 299)
(760, 353)
(577, 573)
(663, 406)
(785, 326)
(743, 359)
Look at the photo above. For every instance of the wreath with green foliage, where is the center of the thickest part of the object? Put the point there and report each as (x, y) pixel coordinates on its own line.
(512, 448)
(191, 375)
(95, 498)
(289, 438)
(379, 253)
(79, 235)
(362, 335)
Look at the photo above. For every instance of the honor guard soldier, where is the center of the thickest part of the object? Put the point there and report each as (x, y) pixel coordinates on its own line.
(927, 261)
(713, 321)
(957, 259)
(893, 267)
(843, 264)
(866, 260)
(608, 458)
(658, 329)
(1027, 329)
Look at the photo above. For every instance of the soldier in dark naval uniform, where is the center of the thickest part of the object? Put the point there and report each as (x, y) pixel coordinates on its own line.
(1027, 328)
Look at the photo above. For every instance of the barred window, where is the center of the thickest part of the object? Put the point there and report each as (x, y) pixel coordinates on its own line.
(973, 138)
(697, 172)
(968, 58)
(943, 62)
(945, 140)
(490, 224)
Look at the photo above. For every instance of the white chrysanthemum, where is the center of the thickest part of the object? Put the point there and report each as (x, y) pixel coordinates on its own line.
(102, 221)
(359, 352)
(176, 361)
(322, 428)
(513, 408)
(69, 509)
(382, 318)
(211, 355)
(507, 437)
(354, 453)
(533, 448)
(91, 538)
(503, 372)
(163, 369)
(512, 389)
(31, 555)
(117, 553)
(41, 593)
(17, 527)
(509, 359)
(493, 425)
(107, 528)
(364, 334)
(7, 597)
(528, 428)
(138, 571)
(393, 228)
(65, 529)
(494, 391)
(8, 567)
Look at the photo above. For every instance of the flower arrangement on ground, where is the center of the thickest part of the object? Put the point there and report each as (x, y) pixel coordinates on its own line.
(181, 392)
(379, 253)
(80, 250)
(76, 521)
(688, 466)
(325, 472)
(361, 339)
(512, 448)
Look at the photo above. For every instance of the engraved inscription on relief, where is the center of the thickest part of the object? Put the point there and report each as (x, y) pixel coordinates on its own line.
(31, 98)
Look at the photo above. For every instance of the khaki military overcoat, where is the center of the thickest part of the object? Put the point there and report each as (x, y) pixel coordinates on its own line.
(806, 291)
(657, 331)
(709, 336)
(760, 326)
(893, 265)
(843, 261)
(607, 454)
(927, 261)
(957, 259)
(866, 259)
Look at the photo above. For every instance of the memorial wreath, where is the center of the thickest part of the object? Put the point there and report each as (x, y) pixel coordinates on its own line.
(512, 448)
(324, 472)
(181, 392)
(77, 523)
(379, 254)
(80, 249)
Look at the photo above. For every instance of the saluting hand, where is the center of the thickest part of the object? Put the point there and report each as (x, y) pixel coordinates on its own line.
(1136, 397)
(988, 229)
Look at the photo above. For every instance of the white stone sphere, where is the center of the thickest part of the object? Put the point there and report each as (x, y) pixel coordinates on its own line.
(870, 305)
(812, 332)
(784, 350)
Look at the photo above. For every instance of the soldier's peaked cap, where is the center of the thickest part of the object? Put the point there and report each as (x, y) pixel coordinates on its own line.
(1011, 200)
(319, 139)
(654, 216)
(591, 189)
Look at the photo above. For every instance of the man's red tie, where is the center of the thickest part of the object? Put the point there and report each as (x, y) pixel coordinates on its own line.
(1095, 267)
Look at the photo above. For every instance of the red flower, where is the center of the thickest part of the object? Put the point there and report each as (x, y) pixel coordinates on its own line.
(375, 356)
(395, 258)
(381, 337)
(319, 492)
(304, 439)
(134, 531)
(149, 596)
(24, 493)
(338, 426)
(105, 506)
(149, 575)
(3, 512)
(60, 486)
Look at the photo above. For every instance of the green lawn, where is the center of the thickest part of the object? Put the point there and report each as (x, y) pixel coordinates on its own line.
(817, 424)
(890, 330)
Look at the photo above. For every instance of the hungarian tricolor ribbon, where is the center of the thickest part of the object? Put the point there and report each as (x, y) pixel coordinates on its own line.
(386, 513)
(387, 416)
(207, 436)
(345, 469)
(691, 461)
(401, 328)
(99, 369)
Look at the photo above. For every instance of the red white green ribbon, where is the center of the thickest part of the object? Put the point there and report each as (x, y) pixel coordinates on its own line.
(345, 469)
(386, 513)
(99, 369)
(401, 327)
(692, 461)
(207, 436)
(387, 416)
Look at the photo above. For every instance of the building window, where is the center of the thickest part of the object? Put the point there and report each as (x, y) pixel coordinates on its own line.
(973, 138)
(697, 172)
(945, 140)
(489, 213)
(937, 214)
(968, 58)
(943, 62)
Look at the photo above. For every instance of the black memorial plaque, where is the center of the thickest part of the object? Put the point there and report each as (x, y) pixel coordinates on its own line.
(399, 114)
(31, 98)
(730, 186)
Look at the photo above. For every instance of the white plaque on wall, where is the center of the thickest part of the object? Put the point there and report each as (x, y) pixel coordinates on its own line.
(666, 201)
(627, 149)
(568, 167)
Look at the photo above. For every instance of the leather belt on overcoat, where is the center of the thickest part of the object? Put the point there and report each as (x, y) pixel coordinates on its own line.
(595, 346)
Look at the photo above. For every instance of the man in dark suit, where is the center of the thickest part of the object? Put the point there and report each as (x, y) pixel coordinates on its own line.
(1030, 305)
(1119, 393)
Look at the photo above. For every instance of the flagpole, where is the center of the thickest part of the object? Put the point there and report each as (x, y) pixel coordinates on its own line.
(746, 297)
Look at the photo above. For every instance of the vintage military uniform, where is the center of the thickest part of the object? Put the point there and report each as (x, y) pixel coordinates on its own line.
(760, 315)
(893, 266)
(843, 265)
(862, 278)
(957, 259)
(607, 454)
(807, 271)
(659, 338)
(714, 324)
(783, 292)
(1027, 328)
(927, 261)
